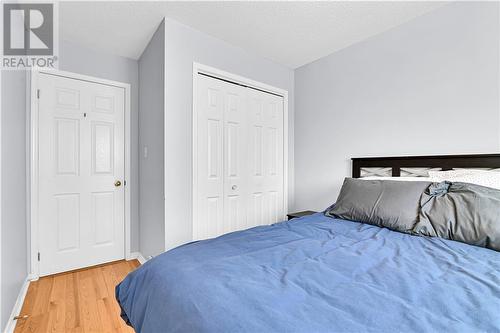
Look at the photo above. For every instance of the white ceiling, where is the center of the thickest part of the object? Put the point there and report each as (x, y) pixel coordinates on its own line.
(289, 33)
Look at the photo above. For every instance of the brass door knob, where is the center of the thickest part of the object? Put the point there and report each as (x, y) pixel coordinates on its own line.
(118, 183)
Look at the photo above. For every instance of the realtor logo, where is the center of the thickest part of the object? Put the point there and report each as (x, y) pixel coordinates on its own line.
(29, 35)
(28, 29)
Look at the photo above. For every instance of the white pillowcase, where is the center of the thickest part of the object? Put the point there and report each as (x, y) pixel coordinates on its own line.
(403, 179)
(478, 177)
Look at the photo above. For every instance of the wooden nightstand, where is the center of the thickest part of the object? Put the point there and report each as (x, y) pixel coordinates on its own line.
(300, 214)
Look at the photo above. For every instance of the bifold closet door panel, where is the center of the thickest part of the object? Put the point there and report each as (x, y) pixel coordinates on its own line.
(235, 160)
(221, 165)
(210, 129)
(265, 156)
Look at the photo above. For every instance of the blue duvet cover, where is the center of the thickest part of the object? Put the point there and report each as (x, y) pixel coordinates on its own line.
(316, 274)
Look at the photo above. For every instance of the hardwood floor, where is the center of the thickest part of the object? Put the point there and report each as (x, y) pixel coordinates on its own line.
(77, 301)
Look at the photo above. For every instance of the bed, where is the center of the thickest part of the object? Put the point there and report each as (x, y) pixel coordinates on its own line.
(320, 274)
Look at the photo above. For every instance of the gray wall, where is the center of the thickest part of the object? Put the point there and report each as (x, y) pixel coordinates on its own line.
(151, 129)
(430, 86)
(77, 59)
(13, 159)
(183, 46)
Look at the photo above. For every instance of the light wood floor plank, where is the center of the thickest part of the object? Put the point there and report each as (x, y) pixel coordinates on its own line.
(72, 313)
(77, 302)
(57, 305)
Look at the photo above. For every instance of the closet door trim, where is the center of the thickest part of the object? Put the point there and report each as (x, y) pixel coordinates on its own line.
(243, 81)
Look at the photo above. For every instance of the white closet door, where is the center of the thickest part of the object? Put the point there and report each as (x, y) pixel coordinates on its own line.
(235, 159)
(228, 191)
(265, 156)
(221, 167)
(81, 156)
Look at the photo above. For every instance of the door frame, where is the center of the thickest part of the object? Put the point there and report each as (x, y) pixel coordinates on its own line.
(32, 169)
(223, 75)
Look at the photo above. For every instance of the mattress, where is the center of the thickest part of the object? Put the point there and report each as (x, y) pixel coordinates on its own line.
(316, 274)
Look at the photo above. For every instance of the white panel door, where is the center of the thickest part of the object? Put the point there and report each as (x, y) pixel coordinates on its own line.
(235, 165)
(265, 156)
(81, 171)
(239, 169)
(221, 166)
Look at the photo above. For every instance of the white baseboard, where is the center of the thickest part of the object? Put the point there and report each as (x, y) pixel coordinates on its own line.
(11, 324)
(138, 256)
(33, 277)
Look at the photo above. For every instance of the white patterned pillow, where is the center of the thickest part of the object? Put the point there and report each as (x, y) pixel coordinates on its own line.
(402, 179)
(478, 177)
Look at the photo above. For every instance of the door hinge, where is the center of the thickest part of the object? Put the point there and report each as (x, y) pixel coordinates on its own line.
(38, 256)
(38, 93)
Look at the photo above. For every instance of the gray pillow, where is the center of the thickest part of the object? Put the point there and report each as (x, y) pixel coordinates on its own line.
(385, 203)
(463, 212)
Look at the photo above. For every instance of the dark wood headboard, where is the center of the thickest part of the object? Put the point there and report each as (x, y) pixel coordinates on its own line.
(443, 162)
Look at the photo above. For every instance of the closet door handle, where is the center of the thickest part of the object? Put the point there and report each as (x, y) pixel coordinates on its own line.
(234, 187)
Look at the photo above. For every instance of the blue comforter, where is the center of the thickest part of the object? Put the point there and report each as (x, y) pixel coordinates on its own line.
(316, 274)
